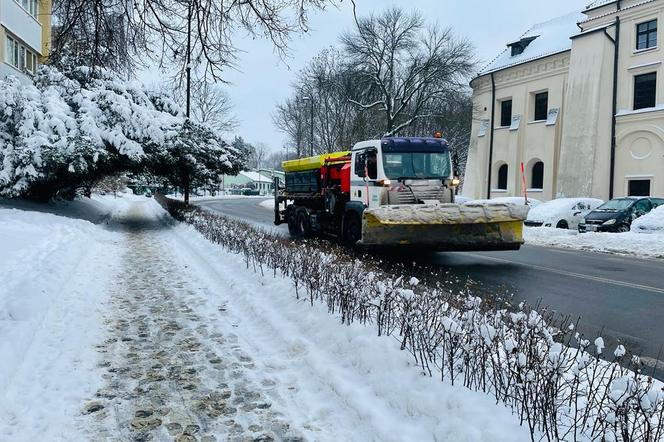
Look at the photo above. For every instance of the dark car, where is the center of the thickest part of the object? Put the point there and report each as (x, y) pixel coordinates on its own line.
(617, 215)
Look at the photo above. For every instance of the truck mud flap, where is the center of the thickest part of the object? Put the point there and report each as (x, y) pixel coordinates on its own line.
(447, 227)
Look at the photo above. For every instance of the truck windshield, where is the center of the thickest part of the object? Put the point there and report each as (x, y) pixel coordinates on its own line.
(416, 165)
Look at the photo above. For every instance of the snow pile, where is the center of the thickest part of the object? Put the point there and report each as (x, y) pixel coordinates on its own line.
(652, 222)
(54, 270)
(629, 243)
(516, 357)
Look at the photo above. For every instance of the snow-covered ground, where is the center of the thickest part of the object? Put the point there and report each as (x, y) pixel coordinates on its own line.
(141, 326)
(629, 243)
(268, 204)
(55, 271)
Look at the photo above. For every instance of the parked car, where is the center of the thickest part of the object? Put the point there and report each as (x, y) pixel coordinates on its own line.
(652, 222)
(617, 215)
(562, 213)
(517, 200)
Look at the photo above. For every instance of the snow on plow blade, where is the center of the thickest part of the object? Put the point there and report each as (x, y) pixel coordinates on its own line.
(452, 227)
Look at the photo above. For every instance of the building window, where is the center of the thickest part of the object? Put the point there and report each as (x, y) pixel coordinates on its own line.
(638, 188)
(541, 106)
(645, 88)
(518, 47)
(537, 176)
(19, 56)
(32, 6)
(502, 177)
(646, 35)
(506, 113)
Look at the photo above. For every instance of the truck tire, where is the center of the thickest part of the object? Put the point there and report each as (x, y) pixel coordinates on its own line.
(293, 226)
(304, 224)
(352, 229)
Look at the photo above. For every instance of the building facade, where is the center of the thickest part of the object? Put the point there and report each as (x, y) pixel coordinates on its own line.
(579, 102)
(25, 37)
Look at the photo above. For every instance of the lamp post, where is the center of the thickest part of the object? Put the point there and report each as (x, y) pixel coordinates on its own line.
(311, 139)
(188, 108)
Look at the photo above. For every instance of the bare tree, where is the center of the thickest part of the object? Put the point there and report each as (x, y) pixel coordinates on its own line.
(211, 105)
(259, 154)
(291, 119)
(404, 65)
(120, 34)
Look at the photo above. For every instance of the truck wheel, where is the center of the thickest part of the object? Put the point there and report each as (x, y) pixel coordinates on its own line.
(352, 229)
(304, 224)
(293, 227)
(562, 224)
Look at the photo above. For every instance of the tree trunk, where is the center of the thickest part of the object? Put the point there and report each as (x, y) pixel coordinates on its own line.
(185, 185)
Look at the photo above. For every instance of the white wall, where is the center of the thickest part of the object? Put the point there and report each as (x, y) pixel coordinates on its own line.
(20, 23)
(6, 70)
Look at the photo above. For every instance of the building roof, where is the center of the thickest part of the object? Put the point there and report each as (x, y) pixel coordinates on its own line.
(598, 3)
(255, 176)
(542, 40)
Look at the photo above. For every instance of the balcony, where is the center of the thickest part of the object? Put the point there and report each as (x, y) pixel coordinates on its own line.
(20, 23)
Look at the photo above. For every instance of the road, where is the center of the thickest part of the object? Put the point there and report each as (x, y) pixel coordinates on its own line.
(620, 297)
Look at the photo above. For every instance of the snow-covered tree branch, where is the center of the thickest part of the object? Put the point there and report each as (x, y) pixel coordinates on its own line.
(73, 127)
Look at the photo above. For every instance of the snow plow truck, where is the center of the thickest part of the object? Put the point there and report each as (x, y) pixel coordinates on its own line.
(395, 193)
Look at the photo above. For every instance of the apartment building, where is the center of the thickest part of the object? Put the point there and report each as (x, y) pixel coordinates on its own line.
(25, 37)
(579, 101)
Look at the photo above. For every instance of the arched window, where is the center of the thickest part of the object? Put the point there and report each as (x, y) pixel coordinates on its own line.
(502, 177)
(537, 176)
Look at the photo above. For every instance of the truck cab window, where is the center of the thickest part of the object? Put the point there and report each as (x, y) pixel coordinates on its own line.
(372, 164)
(360, 163)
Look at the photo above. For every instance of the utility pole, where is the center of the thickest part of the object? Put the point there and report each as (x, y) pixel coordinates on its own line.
(188, 70)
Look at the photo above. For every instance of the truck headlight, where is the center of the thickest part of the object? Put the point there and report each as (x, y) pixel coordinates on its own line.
(609, 222)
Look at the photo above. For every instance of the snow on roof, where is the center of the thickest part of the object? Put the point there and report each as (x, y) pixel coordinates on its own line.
(255, 176)
(548, 38)
(598, 3)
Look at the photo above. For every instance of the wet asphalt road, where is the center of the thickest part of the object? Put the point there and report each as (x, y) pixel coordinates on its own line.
(620, 296)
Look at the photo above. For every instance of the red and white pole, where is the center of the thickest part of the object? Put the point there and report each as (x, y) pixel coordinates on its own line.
(523, 183)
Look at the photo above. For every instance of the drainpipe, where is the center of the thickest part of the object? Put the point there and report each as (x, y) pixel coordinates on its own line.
(493, 113)
(616, 53)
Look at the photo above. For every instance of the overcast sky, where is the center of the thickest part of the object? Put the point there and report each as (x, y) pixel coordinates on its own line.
(264, 80)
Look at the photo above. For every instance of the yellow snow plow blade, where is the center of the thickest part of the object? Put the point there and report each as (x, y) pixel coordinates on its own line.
(443, 227)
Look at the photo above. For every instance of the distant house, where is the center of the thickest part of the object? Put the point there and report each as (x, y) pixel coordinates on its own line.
(25, 37)
(249, 180)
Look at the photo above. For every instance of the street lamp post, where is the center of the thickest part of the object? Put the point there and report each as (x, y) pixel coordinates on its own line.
(311, 127)
(188, 108)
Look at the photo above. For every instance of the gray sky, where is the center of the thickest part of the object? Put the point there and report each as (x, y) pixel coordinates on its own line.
(264, 80)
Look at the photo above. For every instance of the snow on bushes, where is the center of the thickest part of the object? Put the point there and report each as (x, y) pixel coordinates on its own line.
(560, 391)
(73, 127)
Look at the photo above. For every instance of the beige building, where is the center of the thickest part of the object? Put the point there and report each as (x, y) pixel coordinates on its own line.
(25, 37)
(579, 101)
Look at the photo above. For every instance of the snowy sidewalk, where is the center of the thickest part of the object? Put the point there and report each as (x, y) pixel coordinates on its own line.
(179, 340)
